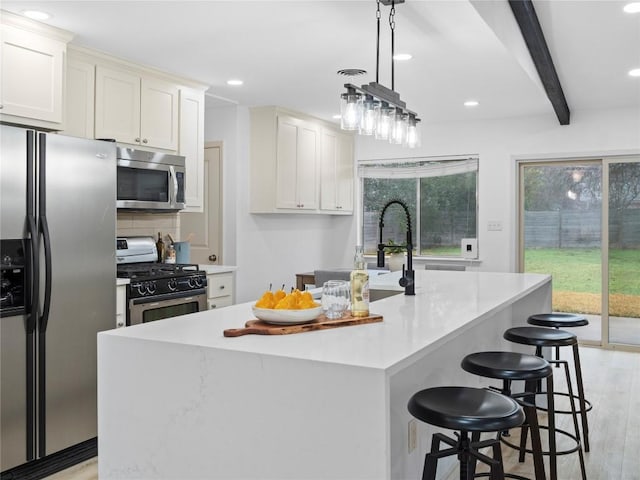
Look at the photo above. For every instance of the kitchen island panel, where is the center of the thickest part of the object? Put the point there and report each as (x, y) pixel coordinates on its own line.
(171, 411)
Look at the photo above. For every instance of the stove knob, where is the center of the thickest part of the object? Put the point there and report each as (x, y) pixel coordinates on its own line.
(191, 282)
(173, 284)
(141, 289)
(151, 287)
(198, 282)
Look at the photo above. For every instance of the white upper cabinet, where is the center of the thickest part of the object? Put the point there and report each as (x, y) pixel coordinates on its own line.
(296, 160)
(79, 98)
(336, 180)
(32, 66)
(192, 146)
(299, 164)
(136, 109)
(284, 159)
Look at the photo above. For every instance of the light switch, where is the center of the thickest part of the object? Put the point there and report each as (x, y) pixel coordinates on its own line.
(494, 225)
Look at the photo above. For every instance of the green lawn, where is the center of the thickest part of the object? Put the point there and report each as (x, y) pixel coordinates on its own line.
(578, 269)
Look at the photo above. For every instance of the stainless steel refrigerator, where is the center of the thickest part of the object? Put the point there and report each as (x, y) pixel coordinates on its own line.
(57, 228)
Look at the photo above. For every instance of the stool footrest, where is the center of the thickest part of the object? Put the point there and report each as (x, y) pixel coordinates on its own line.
(574, 449)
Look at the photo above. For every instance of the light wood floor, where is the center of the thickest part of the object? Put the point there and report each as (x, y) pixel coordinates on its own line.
(612, 384)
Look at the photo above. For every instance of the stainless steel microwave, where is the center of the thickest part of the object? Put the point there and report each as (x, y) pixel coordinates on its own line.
(150, 181)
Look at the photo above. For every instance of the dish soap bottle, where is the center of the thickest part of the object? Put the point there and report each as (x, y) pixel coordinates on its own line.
(359, 285)
(160, 248)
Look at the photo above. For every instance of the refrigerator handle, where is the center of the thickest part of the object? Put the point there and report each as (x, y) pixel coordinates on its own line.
(33, 271)
(33, 274)
(44, 230)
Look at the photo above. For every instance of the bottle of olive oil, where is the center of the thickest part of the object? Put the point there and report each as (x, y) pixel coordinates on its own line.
(160, 248)
(359, 285)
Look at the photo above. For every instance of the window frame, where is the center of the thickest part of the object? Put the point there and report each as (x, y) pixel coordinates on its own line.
(363, 164)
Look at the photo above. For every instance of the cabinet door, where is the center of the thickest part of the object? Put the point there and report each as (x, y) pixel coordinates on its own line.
(286, 163)
(336, 182)
(159, 114)
(32, 75)
(117, 105)
(344, 173)
(308, 151)
(192, 146)
(297, 153)
(328, 168)
(79, 98)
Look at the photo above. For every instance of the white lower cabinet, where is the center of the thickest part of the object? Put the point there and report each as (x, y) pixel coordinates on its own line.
(121, 306)
(220, 290)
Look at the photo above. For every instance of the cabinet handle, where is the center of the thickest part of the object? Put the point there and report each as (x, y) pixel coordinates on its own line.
(138, 139)
(213, 305)
(1, 107)
(144, 140)
(221, 287)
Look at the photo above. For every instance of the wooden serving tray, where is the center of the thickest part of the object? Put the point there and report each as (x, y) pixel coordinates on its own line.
(258, 327)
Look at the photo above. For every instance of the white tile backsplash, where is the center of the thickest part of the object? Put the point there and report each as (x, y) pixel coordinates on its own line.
(149, 224)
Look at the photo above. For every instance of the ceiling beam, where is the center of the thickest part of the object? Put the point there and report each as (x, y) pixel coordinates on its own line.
(529, 25)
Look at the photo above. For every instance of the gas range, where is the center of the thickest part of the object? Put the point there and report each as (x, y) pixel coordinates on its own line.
(160, 278)
(157, 290)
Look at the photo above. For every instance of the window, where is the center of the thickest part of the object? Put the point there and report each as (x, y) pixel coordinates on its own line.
(440, 194)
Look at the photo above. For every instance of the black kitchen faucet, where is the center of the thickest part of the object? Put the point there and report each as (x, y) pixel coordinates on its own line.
(408, 275)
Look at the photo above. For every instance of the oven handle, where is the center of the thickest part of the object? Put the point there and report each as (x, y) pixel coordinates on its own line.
(169, 296)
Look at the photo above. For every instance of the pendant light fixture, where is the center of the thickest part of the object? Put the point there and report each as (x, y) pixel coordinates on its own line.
(374, 109)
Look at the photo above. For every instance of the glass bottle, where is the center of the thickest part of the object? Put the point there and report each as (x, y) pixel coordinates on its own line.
(359, 285)
(160, 248)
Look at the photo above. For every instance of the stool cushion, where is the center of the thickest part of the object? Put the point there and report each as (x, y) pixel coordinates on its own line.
(465, 408)
(557, 320)
(507, 365)
(540, 337)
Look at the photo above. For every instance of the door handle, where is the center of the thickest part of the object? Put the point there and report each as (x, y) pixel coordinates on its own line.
(213, 258)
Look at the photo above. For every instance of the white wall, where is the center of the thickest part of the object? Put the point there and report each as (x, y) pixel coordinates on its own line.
(273, 248)
(269, 248)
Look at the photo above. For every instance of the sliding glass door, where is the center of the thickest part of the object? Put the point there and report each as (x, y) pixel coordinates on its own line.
(622, 274)
(580, 222)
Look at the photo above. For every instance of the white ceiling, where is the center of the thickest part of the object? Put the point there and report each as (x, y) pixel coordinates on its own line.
(288, 52)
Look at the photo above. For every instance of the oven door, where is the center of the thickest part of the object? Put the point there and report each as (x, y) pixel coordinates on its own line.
(143, 310)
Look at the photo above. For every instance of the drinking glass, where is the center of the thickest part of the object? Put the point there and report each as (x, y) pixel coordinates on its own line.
(336, 298)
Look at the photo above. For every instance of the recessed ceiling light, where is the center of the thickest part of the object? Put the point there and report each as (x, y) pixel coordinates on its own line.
(234, 82)
(471, 103)
(36, 14)
(632, 7)
(635, 72)
(402, 56)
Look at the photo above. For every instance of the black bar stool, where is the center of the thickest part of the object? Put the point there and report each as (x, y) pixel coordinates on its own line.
(466, 410)
(510, 366)
(557, 320)
(547, 337)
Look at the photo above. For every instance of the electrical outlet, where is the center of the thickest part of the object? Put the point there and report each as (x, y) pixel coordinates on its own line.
(494, 225)
(413, 435)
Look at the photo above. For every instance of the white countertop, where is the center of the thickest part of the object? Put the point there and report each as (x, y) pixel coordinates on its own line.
(445, 305)
(218, 268)
(122, 281)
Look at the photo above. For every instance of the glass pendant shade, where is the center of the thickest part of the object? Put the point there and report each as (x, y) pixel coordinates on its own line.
(385, 120)
(413, 135)
(370, 113)
(350, 111)
(399, 128)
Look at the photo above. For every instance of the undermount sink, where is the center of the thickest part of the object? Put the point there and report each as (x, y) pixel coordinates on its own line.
(376, 294)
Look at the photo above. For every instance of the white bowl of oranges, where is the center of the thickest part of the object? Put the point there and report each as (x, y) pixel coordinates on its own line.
(281, 308)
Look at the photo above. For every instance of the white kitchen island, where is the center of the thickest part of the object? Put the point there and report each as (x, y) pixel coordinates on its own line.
(178, 400)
